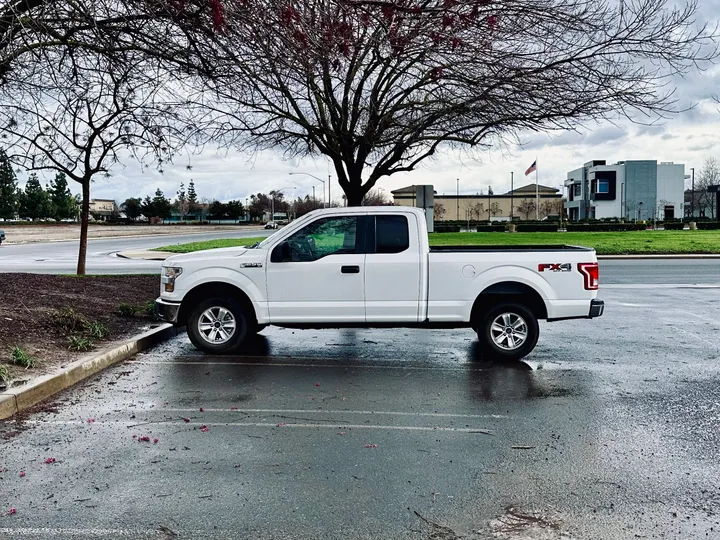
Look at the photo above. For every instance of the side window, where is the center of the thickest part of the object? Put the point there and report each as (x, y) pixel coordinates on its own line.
(329, 236)
(392, 234)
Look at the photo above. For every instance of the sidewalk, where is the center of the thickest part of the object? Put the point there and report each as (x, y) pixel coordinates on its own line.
(145, 254)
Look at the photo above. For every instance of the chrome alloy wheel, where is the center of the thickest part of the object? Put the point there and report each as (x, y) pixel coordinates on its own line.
(509, 331)
(216, 325)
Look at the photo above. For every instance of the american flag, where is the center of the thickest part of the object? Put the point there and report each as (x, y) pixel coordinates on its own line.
(531, 168)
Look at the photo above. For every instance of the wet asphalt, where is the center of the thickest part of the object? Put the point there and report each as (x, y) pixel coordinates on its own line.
(609, 430)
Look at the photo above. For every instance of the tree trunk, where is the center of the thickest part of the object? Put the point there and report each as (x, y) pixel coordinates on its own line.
(84, 213)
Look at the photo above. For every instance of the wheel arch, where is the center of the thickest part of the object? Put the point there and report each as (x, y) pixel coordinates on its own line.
(219, 289)
(508, 291)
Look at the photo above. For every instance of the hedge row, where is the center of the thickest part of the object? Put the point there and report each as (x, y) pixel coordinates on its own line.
(605, 227)
(673, 226)
(708, 225)
(537, 227)
(491, 228)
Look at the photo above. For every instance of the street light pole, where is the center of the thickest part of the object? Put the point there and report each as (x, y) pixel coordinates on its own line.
(316, 178)
(512, 195)
(457, 198)
(692, 194)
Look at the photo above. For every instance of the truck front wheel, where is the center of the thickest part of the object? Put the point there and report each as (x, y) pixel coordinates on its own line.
(218, 325)
(509, 331)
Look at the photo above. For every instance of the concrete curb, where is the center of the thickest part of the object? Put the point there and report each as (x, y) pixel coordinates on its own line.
(20, 398)
(145, 255)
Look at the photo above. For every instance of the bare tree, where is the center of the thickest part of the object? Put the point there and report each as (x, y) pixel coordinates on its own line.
(438, 211)
(526, 207)
(84, 113)
(709, 176)
(495, 209)
(380, 86)
(376, 197)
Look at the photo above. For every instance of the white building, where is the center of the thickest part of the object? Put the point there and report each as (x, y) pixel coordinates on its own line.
(627, 189)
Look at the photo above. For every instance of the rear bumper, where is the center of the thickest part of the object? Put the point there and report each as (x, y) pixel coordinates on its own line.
(167, 311)
(597, 308)
(575, 311)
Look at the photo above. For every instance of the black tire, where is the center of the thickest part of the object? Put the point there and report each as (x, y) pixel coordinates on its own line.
(214, 307)
(500, 342)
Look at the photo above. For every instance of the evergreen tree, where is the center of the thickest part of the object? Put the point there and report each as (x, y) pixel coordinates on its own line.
(148, 208)
(8, 188)
(35, 204)
(192, 200)
(60, 197)
(234, 210)
(133, 208)
(161, 206)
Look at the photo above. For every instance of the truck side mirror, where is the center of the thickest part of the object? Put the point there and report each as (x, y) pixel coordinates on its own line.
(281, 253)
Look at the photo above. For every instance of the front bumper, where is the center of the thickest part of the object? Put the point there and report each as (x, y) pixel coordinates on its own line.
(167, 311)
(597, 307)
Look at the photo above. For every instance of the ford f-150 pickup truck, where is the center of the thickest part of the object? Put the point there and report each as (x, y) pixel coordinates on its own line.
(373, 267)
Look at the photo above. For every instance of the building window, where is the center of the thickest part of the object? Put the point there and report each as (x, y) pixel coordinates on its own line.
(577, 190)
(603, 186)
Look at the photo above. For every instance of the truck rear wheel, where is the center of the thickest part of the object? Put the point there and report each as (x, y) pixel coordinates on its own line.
(218, 325)
(509, 331)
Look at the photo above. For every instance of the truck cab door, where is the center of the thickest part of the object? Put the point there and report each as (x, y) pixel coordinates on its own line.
(393, 269)
(317, 275)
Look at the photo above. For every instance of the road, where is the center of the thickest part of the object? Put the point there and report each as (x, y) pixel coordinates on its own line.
(61, 257)
(608, 431)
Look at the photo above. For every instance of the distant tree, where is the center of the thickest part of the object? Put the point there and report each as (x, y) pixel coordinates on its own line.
(35, 203)
(476, 211)
(550, 207)
(161, 206)
(495, 209)
(192, 199)
(8, 188)
(181, 202)
(259, 204)
(438, 211)
(132, 208)
(61, 197)
(234, 209)
(147, 208)
(526, 207)
(709, 176)
(376, 197)
(217, 210)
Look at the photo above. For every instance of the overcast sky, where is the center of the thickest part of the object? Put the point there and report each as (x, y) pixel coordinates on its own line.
(688, 138)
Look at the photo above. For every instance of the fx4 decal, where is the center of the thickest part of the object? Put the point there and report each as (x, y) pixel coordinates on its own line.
(251, 265)
(555, 267)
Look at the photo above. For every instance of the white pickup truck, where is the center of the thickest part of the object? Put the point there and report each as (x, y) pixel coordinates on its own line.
(373, 267)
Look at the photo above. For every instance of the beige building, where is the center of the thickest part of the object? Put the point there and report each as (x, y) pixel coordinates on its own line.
(489, 207)
(103, 208)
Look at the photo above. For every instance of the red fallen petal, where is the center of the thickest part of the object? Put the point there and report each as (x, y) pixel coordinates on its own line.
(233, 408)
(207, 373)
(156, 440)
(281, 424)
(50, 460)
(90, 420)
(22, 474)
(12, 511)
(343, 433)
(204, 429)
(202, 410)
(317, 384)
(371, 446)
(186, 420)
(134, 436)
(144, 438)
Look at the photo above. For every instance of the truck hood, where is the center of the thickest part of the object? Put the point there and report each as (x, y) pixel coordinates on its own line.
(219, 253)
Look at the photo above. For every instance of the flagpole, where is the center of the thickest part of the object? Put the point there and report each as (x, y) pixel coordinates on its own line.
(537, 196)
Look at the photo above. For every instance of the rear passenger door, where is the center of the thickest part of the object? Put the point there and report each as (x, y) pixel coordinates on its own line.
(392, 269)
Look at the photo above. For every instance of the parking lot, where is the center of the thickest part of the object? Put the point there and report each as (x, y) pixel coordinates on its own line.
(609, 430)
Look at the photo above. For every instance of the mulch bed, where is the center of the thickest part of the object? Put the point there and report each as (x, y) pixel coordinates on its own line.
(30, 302)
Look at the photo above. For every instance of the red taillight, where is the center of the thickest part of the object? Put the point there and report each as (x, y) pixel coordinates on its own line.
(591, 275)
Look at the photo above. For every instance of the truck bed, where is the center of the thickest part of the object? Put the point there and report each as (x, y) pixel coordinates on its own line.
(516, 249)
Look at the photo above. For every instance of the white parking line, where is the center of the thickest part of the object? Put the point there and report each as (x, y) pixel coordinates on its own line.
(660, 286)
(336, 426)
(321, 411)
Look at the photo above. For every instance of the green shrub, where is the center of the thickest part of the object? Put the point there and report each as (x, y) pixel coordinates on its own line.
(69, 321)
(674, 226)
(447, 228)
(20, 357)
(126, 310)
(97, 330)
(491, 228)
(605, 227)
(79, 343)
(537, 227)
(708, 225)
(4, 374)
